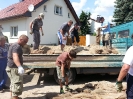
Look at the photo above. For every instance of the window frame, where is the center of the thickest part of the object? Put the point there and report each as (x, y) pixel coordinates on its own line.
(123, 31)
(68, 15)
(60, 13)
(12, 33)
(45, 10)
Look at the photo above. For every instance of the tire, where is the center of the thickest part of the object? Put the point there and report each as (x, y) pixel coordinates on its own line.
(71, 78)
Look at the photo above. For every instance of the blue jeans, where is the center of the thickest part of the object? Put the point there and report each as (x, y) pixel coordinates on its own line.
(3, 74)
(129, 91)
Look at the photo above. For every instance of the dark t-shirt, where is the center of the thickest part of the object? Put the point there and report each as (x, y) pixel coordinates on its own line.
(14, 48)
(63, 59)
(37, 23)
(65, 28)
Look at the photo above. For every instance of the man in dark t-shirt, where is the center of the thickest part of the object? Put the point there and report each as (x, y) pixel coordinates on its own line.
(63, 63)
(63, 32)
(35, 26)
(14, 68)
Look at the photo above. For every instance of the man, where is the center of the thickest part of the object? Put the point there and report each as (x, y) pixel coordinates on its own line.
(105, 33)
(3, 63)
(74, 33)
(35, 26)
(14, 68)
(63, 32)
(126, 70)
(63, 63)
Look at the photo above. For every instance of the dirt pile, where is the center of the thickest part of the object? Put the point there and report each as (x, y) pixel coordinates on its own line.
(81, 50)
(93, 90)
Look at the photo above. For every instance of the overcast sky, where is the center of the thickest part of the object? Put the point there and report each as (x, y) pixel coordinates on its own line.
(104, 8)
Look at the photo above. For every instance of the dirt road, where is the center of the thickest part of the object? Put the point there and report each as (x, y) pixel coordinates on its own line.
(48, 89)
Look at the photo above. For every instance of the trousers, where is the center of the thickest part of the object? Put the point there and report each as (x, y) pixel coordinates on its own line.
(129, 91)
(3, 74)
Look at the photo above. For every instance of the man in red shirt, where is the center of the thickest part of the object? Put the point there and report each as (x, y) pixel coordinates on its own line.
(63, 63)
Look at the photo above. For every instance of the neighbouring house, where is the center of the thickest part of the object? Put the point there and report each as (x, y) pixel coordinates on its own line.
(16, 18)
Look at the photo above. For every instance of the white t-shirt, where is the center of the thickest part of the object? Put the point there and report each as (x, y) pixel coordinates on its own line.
(128, 59)
(105, 23)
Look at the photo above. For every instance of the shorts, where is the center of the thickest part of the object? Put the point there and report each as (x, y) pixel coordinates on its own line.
(59, 73)
(61, 38)
(16, 80)
(107, 37)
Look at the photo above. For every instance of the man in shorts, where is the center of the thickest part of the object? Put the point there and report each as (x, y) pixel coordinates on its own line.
(63, 63)
(35, 26)
(63, 32)
(14, 68)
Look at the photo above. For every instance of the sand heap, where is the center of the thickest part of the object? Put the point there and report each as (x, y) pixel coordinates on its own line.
(81, 50)
(93, 90)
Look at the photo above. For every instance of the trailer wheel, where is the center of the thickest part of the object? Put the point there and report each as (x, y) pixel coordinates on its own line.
(71, 77)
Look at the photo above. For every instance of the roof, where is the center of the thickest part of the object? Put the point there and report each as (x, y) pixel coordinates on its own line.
(20, 9)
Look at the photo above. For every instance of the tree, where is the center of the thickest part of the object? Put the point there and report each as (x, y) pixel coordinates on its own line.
(123, 11)
(85, 25)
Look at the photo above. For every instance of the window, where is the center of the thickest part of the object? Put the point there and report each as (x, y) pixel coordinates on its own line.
(113, 35)
(123, 34)
(58, 10)
(14, 31)
(45, 8)
(68, 15)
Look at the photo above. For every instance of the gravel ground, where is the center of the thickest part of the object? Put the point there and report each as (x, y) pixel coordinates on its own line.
(87, 87)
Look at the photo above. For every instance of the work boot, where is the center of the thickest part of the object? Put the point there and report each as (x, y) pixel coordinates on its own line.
(61, 91)
(67, 88)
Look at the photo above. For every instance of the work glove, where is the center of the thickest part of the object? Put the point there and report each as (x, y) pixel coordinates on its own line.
(119, 86)
(20, 70)
(68, 72)
(31, 31)
(63, 80)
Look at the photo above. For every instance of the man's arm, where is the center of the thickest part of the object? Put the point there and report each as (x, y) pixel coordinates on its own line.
(123, 72)
(41, 31)
(62, 32)
(69, 65)
(31, 23)
(63, 70)
(71, 29)
(16, 59)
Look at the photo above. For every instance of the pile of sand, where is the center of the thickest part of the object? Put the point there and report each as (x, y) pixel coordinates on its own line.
(81, 50)
(93, 90)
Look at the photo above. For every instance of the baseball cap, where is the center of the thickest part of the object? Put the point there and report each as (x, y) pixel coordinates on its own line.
(41, 15)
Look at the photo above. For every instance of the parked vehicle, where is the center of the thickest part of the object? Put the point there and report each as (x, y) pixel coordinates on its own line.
(88, 64)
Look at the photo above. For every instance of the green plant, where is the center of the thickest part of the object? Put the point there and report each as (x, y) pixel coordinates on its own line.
(85, 25)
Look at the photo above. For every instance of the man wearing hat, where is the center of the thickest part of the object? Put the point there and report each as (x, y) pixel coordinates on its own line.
(35, 27)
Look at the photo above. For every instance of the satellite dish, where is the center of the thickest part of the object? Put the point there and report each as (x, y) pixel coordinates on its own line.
(31, 7)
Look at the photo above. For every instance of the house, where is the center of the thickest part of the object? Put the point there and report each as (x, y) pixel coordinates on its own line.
(16, 18)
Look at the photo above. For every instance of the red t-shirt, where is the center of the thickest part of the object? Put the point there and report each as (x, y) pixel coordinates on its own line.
(63, 59)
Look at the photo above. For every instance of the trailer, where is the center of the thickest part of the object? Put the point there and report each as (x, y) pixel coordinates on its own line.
(87, 64)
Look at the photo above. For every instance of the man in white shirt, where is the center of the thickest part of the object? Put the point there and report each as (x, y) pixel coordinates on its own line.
(126, 70)
(105, 33)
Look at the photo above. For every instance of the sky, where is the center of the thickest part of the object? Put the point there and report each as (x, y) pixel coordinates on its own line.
(104, 8)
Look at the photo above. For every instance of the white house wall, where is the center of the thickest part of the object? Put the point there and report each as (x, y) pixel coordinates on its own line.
(21, 23)
(51, 22)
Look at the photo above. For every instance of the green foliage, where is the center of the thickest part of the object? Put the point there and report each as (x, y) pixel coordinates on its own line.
(94, 34)
(123, 11)
(85, 25)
